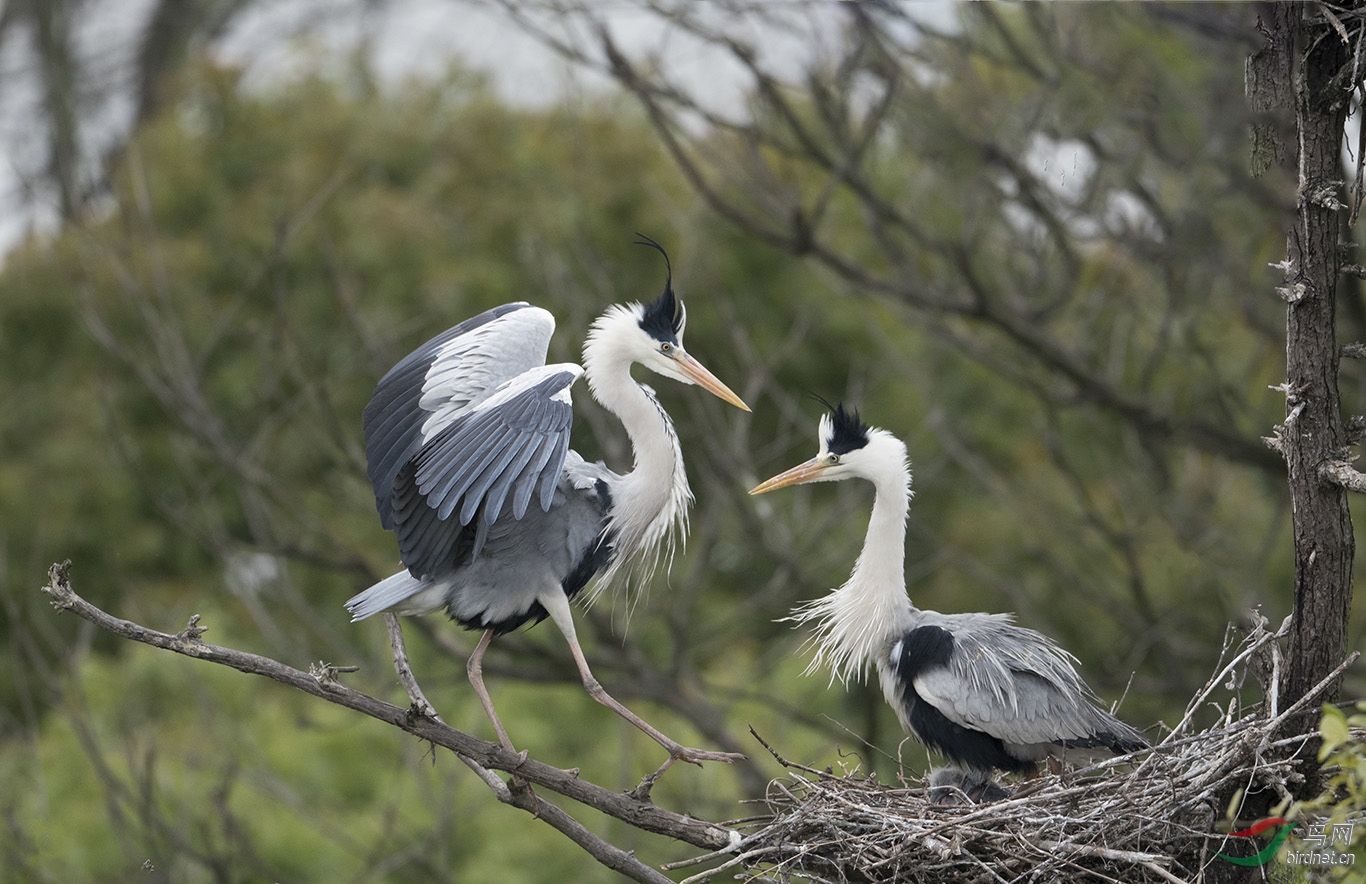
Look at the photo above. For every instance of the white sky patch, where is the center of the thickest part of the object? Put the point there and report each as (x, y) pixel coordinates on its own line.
(276, 41)
(252, 573)
(1066, 166)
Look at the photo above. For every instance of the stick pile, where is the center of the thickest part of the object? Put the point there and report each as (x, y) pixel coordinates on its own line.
(1148, 817)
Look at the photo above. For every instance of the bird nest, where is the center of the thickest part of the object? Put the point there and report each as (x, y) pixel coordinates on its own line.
(1146, 817)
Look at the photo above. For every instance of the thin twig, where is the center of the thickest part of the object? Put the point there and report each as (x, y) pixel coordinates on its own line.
(421, 706)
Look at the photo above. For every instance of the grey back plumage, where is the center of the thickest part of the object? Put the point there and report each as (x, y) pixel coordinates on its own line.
(1017, 685)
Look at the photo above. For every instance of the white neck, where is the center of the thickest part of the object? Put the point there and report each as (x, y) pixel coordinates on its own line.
(856, 620)
(880, 569)
(650, 503)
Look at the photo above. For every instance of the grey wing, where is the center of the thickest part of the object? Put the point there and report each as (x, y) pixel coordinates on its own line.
(1012, 683)
(492, 457)
(431, 386)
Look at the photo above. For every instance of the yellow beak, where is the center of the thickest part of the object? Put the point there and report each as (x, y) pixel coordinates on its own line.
(698, 374)
(805, 472)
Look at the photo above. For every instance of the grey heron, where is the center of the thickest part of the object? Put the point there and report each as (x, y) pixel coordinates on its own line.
(497, 520)
(975, 688)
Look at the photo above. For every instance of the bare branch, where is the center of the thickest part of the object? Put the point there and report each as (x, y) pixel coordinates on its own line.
(1344, 475)
(421, 706)
(479, 755)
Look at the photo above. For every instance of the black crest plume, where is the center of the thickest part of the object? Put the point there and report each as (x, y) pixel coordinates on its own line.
(848, 432)
(664, 317)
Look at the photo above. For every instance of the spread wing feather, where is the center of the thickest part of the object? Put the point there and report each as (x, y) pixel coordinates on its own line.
(469, 458)
(468, 425)
(433, 385)
(501, 445)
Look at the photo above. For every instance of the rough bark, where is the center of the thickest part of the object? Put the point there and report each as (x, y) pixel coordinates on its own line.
(1312, 436)
(1306, 72)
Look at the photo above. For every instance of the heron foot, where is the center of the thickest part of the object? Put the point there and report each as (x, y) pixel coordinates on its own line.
(987, 793)
(951, 785)
(697, 756)
(693, 756)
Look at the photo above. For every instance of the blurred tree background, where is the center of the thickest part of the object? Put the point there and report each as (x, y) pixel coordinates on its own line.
(1024, 239)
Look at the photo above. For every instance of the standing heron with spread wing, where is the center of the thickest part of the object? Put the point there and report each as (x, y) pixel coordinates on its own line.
(497, 520)
(975, 688)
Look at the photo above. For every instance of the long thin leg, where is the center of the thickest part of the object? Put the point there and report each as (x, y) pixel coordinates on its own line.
(557, 603)
(474, 668)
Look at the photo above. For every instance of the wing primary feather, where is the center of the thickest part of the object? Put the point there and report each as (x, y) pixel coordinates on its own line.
(550, 475)
(490, 478)
(481, 534)
(454, 461)
(433, 385)
(510, 419)
(493, 507)
(526, 483)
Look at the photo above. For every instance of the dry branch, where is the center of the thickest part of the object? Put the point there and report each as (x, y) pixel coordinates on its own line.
(479, 755)
(1342, 473)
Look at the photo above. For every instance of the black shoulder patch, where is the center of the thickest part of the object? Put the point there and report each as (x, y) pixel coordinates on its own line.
(923, 649)
(926, 648)
(594, 559)
(604, 495)
(962, 745)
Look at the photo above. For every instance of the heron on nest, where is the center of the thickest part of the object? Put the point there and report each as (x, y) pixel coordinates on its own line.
(498, 522)
(984, 693)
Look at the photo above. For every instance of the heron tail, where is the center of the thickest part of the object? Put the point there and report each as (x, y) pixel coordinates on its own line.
(385, 595)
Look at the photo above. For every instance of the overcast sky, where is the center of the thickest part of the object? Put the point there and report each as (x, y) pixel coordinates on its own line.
(405, 38)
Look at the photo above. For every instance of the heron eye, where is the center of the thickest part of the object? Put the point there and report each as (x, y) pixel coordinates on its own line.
(833, 458)
(666, 347)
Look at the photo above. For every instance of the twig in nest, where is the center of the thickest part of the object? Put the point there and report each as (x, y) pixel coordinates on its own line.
(791, 765)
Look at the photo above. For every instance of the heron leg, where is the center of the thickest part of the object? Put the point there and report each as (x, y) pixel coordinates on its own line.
(557, 603)
(474, 668)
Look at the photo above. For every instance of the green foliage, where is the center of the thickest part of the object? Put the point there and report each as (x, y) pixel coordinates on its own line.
(1341, 803)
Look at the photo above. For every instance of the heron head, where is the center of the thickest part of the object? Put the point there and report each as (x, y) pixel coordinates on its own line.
(652, 335)
(849, 448)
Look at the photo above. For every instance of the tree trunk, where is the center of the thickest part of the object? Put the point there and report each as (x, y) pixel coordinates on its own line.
(1298, 94)
(1314, 431)
(1303, 68)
